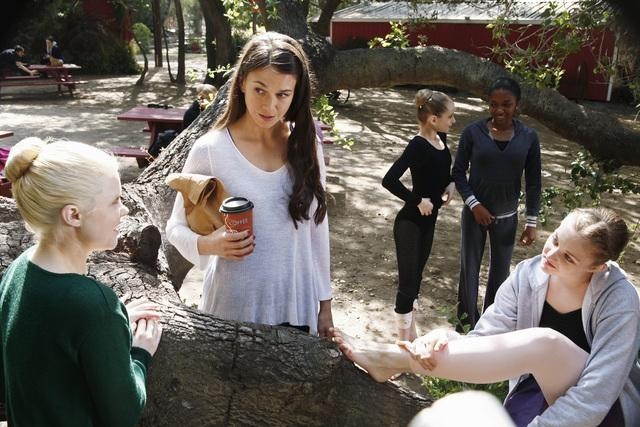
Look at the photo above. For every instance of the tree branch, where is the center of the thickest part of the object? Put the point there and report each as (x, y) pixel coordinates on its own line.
(605, 137)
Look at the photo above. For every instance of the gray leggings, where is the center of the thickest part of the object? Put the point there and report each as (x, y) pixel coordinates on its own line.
(502, 234)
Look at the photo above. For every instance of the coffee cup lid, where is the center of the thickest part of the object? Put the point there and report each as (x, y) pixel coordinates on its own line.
(236, 204)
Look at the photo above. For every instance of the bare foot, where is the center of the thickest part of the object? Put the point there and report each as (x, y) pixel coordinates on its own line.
(381, 361)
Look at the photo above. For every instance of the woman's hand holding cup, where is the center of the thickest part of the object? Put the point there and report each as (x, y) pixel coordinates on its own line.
(227, 244)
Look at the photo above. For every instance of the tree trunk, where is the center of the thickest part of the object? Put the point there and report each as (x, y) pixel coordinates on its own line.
(145, 68)
(323, 25)
(180, 77)
(209, 41)
(296, 23)
(166, 51)
(157, 32)
(603, 136)
(213, 372)
(218, 28)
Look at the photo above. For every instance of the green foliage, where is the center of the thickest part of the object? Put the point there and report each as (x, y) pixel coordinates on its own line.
(143, 34)
(327, 115)
(84, 41)
(95, 48)
(220, 69)
(561, 33)
(589, 180)
(438, 387)
(397, 37)
(240, 38)
(242, 13)
(109, 57)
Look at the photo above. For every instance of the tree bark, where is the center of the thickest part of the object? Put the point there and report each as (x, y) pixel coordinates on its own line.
(218, 28)
(157, 32)
(323, 25)
(212, 372)
(166, 51)
(145, 68)
(180, 77)
(605, 137)
(296, 23)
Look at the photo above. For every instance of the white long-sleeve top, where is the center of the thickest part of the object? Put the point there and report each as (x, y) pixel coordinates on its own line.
(287, 275)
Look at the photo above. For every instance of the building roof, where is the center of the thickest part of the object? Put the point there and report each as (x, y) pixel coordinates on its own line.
(479, 12)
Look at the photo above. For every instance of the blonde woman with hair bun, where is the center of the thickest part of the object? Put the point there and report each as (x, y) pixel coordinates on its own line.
(60, 329)
(429, 160)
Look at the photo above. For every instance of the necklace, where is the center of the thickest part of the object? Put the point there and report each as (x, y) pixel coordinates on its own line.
(438, 144)
(500, 134)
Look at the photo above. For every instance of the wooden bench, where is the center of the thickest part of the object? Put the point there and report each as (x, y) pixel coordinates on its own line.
(14, 81)
(18, 78)
(143, 158)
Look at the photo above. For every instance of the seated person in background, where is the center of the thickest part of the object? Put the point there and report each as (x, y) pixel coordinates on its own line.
(11, 62)
(53, 53)
(206, 95)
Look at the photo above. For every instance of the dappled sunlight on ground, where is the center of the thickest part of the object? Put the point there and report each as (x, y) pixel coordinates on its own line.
(361, 216)
(363, 252)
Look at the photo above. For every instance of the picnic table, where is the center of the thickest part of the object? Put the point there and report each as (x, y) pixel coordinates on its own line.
(158, 119)
(60, 73)
(161, 119)
(49, 75)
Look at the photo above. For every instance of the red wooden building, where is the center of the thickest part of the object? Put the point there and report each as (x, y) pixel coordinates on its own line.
(463, 26)
(104, 11)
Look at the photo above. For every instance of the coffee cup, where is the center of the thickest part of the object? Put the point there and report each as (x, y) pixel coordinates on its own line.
(237, 213)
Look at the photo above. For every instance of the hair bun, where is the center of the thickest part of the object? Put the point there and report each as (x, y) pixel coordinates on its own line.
(22, 156)
(422, 97)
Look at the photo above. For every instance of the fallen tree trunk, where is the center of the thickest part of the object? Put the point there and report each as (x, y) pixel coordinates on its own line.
(605, 137)
(212, 372)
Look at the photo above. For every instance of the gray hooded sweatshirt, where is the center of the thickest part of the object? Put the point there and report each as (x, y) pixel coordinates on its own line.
(611, 321)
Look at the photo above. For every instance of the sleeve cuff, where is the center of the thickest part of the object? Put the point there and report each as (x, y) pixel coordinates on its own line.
(532, 221)
(325, 294)
(141, 355)
(471, 201)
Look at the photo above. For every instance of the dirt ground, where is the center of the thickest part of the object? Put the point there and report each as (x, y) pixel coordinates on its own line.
(362, 213)
(363, 255)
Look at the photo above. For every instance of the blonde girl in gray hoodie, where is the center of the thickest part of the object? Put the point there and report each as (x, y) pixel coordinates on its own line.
(564, 329)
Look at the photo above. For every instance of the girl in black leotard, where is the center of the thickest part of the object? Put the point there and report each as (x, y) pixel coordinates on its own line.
(429, 160)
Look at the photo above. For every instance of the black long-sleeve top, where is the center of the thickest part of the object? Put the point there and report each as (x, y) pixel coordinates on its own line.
(430, 174)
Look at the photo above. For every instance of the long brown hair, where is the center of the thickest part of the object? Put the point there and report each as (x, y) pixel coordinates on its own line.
(283, 53)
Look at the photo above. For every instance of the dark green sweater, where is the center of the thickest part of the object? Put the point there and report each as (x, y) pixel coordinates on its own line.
(66, 354)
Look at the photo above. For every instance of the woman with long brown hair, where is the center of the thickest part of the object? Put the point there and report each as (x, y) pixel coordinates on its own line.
(264, 148)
